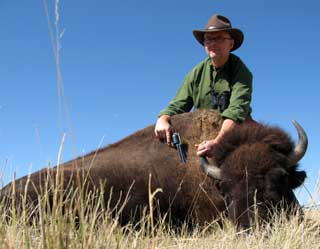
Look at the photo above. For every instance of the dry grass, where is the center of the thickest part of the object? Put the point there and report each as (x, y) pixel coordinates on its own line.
(39, 227)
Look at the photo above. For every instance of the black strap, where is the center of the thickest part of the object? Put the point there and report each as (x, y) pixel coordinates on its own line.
(219, 101)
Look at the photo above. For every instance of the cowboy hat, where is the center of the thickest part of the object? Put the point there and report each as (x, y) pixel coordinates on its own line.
(220, 23)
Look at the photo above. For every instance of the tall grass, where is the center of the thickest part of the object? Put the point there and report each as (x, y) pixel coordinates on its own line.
(83, 219)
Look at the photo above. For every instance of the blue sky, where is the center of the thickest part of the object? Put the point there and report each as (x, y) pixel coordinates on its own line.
(122, 61)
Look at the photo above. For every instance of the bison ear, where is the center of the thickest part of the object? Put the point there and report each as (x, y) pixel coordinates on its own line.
(296, 179)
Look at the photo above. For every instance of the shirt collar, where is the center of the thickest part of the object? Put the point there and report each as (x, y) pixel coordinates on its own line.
(225, 67)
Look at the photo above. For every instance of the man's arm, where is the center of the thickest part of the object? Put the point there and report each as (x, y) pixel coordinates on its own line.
(241, 94)
(181, 103)
(205, 148)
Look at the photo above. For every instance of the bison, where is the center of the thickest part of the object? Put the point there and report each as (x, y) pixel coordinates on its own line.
(254, 169)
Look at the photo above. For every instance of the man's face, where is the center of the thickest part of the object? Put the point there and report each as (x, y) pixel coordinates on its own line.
(218, 44)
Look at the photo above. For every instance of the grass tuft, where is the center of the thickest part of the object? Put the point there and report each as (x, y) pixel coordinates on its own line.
(85, 221)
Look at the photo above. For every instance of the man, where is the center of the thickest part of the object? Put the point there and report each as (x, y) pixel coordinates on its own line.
(222, 82)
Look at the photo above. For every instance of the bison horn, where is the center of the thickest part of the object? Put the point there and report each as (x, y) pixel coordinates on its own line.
(210, 170)
(301, 146)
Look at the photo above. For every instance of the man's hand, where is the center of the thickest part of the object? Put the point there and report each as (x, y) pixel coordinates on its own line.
(206, 148)
(164, 129)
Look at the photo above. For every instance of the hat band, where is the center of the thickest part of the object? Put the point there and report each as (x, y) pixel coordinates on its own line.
(217, 28)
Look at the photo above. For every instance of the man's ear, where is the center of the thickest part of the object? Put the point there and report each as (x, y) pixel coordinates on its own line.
(231, 44)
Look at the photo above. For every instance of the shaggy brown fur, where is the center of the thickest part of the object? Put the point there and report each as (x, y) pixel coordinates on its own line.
(255, 172)
(187, 193)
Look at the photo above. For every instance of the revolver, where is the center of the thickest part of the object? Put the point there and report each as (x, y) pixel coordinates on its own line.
(176, 141)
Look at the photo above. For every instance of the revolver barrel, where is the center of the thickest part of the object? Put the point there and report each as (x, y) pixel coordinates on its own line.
(176, 141)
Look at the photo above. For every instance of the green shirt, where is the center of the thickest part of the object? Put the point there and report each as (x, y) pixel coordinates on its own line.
(234, 77)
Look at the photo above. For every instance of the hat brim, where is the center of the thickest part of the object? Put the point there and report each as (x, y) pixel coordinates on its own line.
(236, 35)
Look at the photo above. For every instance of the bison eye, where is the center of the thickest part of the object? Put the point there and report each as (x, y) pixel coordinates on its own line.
(223, 187)
(277, 176)
(218, 185)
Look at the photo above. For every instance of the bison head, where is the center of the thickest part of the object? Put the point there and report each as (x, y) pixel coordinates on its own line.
(256, 172)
